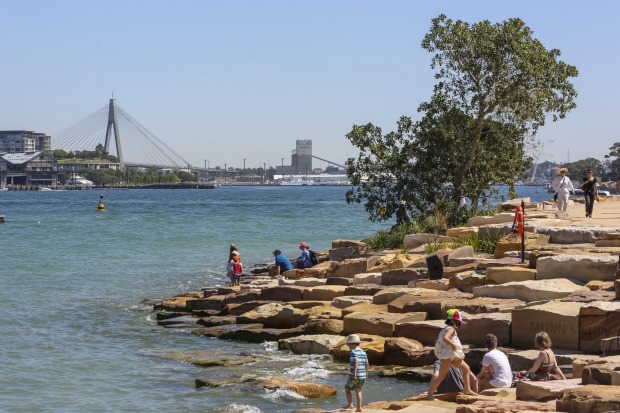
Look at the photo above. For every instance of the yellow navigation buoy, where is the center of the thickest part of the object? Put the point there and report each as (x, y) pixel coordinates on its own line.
(100, 207)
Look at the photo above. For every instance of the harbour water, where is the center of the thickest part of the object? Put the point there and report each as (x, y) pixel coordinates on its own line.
(78, 334)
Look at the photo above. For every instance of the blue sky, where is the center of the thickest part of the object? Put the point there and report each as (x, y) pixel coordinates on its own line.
(228, 80)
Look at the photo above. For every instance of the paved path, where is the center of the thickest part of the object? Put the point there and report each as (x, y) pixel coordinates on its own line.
(605, 214)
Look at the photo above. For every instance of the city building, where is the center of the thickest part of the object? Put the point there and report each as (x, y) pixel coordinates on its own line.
(28, 168)
(20, 141)
(302, 156)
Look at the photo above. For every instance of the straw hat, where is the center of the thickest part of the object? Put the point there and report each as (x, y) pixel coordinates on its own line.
(353, 339)
(563, 170)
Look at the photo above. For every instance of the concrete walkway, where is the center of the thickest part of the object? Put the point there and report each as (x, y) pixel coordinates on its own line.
(605, 213)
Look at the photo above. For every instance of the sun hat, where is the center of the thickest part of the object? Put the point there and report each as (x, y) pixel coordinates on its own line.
(303, 244)
(563, 170)
(353, 339)
(455, 315)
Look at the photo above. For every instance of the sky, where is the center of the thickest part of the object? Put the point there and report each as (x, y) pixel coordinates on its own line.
(230, 80)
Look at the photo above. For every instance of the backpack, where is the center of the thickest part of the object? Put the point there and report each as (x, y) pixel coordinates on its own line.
(313, 258)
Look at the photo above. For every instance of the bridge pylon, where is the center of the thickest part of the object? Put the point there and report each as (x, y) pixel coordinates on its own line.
(113, 124)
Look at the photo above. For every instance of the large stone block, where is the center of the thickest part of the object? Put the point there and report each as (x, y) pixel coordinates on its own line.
(544, 390)
(324, 293)
(598, 320)
(432, 305)
(479, 325)
(367, 278)
(310, 344)
(365, 308)
(559, 319)
(282, 293)
(373, 345)
(389, 294)
(529, 290)
(501, 218)
(401, 351)
(479, 305)
(423, 331)
(467, 281)
(503, 275)
(600, 373)
(416, 240)
(381, 324)
(348, 300)
(402, 276)
(351, 267)
(589, 399)
(584, 268)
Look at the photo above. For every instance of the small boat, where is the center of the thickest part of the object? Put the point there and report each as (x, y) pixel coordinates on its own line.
(79, 181)
(1, 218)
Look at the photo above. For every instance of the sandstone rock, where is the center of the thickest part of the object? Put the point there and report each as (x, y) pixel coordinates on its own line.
(274, 315)
(432, 305)
(559, 319)
(176, 304)
(501, 218)
(503, 275)
(599, 373)
(575, 235)
(381, 324)
(303, 282)
(260, 335)
(589, 399)
(467, 268)
(462, 232)
(238, 309)
(213, 302)
(502, 262)
(466, 282)
(348, 301)
(598, 320)
(512, 243)
(402, 276)
(503, 406)
(324, 326)
(324, 293)
(479, 305)
(388, 295)
(309, 344)
(282, 293)
(478, 325)
(440, 285)
(371, 344)
(584, 268)
(423, 331)
(544, 390)
(217, 321)
(350, 267)
(184, 320)
(339, 281)
(242, 296)
(529, 290)
(368, 278)
(225, 331)
(406, 352)
(416, 240)
(364, 308)
(305, 389)
(597, 285)
(461, 261)
(363, 289)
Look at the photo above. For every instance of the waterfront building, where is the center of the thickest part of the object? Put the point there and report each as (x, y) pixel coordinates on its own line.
(302, 156)
(71, 166)
(19, 141)
(28, 168)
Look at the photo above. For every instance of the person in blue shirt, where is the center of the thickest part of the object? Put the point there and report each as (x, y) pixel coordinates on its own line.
(358, 366)
(304, 260)
(283, 264)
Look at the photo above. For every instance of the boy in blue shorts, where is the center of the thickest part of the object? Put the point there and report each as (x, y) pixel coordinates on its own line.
(358, 363)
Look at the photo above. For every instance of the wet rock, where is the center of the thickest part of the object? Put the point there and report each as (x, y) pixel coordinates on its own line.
(371, 344)
(266, 334)
(310, 344)
(305, 389)
(216, 321)
(225, 331)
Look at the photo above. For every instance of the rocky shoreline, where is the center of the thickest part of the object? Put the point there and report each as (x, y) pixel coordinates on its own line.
(396, 301)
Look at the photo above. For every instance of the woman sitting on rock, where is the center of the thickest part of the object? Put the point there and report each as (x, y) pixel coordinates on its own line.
(545, 362)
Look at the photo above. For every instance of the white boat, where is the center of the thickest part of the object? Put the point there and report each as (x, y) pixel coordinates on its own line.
(79, 181)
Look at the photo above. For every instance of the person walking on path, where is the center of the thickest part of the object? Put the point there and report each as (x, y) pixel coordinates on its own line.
(563, 186)
(449, 351)
(495, 371)
(358, 365)
(589, 184)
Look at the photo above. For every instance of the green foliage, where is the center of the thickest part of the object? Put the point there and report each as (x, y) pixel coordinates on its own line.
(393, 239)
(614, 152)
(577, 170)
(497, 84)
(482, 244)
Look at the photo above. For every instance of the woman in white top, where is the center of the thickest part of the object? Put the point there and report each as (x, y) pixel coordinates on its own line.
(563, 186)
(449, 351)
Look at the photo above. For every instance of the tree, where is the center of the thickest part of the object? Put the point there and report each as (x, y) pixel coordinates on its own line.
(578, 169)
(497, 85)
(614, 152)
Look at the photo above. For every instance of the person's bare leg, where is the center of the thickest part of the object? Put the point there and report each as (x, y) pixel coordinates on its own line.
(358, 395)
(444, 366)
(349, 405)
(460, 364)
(473, 381)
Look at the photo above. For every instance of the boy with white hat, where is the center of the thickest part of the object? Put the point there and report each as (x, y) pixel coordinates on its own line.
(358, 363)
